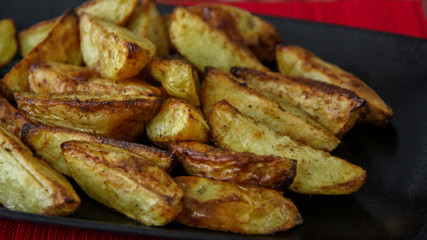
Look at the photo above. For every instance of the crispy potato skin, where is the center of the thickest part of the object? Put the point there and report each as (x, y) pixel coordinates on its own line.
(115, 116)
(177, 120)
(287, 119)
(115, 11)
(28, 184)
(124, 181)
(318, 172)
(8, 43)
(242, 168)
(61, 45)
(227, 207)
(11, 118)
(32, 36)
(299, 62)
(45, 141)
(337, 109)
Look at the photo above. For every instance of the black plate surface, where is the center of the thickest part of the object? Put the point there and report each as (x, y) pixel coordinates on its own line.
(393, 202)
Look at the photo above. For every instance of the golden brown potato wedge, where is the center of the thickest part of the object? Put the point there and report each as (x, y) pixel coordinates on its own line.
(61, 45)
(204, 45)
(32, 36)
(6, 93)
(114, 51)
(288, 119)
(299, 62)
(149, 23)
(242, 27)
(223, 206)
(120, 117)
(28, 184)
(8, 44)
(318, 172)
(123, 181)
(178, 77)
(45, 141)
(177, 120)
(244, 168)
(115, 11)
(11, 118)
(337, 109)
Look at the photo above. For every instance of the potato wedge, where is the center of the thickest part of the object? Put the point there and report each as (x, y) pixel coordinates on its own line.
(337, 109)
(45, 141)
(8, 44)
(228, 207)
(260, 37)
(299, 62)
(11, 118)
(149, 23)
(204, 45)
(28, 184)
(318, 172)
(114, 51)
(61, 45)
(120, 117)
(6, 93)
(31, 37)
(115, 11)
(178, 77)
(243, 168)
(177, 120)
(288, 119)
(123, 181)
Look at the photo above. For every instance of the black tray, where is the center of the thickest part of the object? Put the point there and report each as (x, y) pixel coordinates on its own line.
(393, 202)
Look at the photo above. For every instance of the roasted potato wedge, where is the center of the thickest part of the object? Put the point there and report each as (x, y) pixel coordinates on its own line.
(149, 23)
(61, 45)
(120, 117)
(8, 44)
(45, 141)
(223, 206)
(318, 172)
(123, 181)
(6, 93)
(204, 45)
(114, 51)
(28, 184)
(299, 62)
(242, 27)
(177, 120)
(337, 109)
(178, 77)
(115, 11)
(11, 118)
(287, 119)
(199, 159)
(32, 36)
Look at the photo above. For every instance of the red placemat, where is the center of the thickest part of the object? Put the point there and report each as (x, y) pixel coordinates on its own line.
(401, 17)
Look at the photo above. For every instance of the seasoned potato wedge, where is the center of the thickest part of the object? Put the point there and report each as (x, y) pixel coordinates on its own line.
(199, 159)
(123, 181)
(115, 11)
(31, 37)
(149, 23)
(28, 184)
(337, 109)
(115, 116)
(299, 62)
(45, 141)
(8, 44)
(61, 45)
(178, 77)
(204, 45)
(223, 206)
(318, 172)
(177, 120)
(11, 118)
(288, 119)
(6, 93)
(114, 51)
(242, 27)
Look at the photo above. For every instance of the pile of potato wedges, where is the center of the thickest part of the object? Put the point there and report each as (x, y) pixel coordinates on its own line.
(112, 96)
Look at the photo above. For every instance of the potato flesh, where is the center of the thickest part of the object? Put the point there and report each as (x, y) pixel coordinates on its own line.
(115, 11)
(32, 36)
(8, 44)
(227, 207)
(11, 119)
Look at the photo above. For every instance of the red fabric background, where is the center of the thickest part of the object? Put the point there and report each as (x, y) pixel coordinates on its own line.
(400, 17)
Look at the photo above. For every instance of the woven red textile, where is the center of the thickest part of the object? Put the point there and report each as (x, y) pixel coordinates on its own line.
(401, 17)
